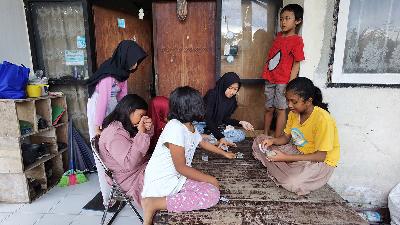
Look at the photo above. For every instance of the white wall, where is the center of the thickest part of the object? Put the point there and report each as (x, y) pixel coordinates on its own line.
(14, 41)
(368, 119)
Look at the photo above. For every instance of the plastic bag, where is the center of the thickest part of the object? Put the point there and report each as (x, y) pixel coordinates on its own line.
(13, 80)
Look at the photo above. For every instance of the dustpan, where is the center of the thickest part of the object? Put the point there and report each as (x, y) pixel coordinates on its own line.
(56, 113)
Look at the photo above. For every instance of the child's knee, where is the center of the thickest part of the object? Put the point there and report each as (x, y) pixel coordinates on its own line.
(281, 112)
(291, 183)
(213, 195)
(269, 110)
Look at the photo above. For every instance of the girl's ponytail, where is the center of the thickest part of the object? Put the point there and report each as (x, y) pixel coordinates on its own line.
(305, 88)
(317, 99)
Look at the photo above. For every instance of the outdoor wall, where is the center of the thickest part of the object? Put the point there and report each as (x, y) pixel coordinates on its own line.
(367, 118)
(14, 41)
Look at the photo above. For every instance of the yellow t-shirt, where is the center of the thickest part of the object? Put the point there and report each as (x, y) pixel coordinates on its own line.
(317, 133)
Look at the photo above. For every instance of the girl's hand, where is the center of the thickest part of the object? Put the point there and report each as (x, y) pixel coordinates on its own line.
(144, 124)
(97, 130)
(214, 182)
(148, 123)
(246, 125)
(223, 141)
(229, 155)
(268, 142)
(280, 156)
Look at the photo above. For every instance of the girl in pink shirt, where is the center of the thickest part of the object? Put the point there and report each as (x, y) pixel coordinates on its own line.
(106, 88)
(124, 142)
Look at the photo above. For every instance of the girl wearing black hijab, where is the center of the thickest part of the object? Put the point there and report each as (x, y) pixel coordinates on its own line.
(221, 104)
(106, 87)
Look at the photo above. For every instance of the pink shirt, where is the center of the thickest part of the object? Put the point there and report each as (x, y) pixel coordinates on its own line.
(125, 157)
(104, 88)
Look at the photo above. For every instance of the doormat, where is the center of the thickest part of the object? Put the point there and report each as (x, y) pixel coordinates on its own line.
(96, 204)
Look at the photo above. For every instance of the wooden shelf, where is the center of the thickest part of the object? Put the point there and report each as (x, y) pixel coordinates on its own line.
(37, 132)
(31, 99)
(59, 125)
(45, 172)
(42, 130)
(40, 161)
(62, 151)
(37, 195)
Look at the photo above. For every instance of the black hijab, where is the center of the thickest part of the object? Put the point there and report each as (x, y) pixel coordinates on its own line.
(217, 103)
(118, 66)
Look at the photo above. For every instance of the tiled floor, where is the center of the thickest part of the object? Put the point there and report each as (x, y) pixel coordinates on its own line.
(62, 206)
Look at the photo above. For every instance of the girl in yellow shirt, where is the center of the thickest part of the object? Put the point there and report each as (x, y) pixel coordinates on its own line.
(307, 162)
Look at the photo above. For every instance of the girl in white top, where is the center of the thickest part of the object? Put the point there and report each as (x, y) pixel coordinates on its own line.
(169, 181)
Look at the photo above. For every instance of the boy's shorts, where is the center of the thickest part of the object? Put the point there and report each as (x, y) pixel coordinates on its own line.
(275, 96)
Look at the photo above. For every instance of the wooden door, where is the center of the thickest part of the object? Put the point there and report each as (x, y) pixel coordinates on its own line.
(108, 35)
(184, 51)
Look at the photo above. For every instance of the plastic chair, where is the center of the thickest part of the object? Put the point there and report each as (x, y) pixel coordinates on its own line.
(116, 193)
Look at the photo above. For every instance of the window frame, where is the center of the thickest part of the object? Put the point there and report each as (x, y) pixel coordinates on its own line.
(337, 77)
(89, 31)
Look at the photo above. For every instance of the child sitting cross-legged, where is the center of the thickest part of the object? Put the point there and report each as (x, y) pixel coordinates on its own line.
(170, 182)
(304, 157)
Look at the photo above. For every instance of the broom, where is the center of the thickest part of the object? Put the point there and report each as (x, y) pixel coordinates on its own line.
(71, 176)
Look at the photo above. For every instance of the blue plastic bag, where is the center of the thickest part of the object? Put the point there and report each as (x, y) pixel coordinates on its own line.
(13, 80)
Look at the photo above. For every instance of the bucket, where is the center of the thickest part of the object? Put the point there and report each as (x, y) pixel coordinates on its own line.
(33, 90)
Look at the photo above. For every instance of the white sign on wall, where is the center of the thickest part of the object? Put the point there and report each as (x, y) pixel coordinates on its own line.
(74, 58)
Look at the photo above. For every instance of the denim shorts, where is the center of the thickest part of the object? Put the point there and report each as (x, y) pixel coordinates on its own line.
(275, 96)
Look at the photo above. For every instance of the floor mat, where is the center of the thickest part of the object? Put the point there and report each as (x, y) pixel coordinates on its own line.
(253, 198)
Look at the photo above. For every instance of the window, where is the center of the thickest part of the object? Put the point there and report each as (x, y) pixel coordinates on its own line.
(58, 36)
(367, 47)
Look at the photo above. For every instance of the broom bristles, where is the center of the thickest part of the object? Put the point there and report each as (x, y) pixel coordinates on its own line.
(72, 177)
